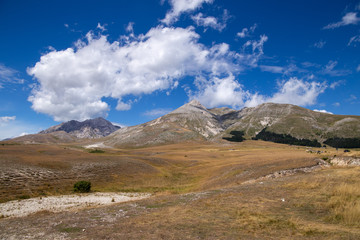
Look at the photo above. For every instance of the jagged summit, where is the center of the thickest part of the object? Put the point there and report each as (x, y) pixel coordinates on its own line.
(91, 128)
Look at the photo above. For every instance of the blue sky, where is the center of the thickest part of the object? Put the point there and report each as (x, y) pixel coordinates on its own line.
(133, 61)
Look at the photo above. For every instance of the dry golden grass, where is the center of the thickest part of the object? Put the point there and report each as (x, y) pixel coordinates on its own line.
(199, 193)
(334, 194)
(34, 170)
(345, 203)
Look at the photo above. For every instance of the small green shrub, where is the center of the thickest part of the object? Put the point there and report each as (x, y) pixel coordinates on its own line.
(82, 186)
(97, 151)
(24, 197)
(325, 158)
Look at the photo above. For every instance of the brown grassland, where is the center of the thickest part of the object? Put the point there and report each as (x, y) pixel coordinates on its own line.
(199, 192)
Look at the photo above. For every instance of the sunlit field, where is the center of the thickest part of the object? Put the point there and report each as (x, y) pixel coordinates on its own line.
(199, 191)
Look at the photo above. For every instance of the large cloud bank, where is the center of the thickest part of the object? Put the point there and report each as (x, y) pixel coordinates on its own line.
(73, 82)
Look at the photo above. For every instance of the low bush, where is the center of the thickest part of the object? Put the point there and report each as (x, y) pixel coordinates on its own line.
(82, 186)
(97, 151)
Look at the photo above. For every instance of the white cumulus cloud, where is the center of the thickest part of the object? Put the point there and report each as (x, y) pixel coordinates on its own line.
(219, 92)
(227, 91)
(179, 7)
(299, 92)
(348, 19)
(73, 82)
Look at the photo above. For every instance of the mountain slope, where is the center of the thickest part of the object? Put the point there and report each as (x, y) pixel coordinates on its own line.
(293, 120)
(91, 128)
(191, 122)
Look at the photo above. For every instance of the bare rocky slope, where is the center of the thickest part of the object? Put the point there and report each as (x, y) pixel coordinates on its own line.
(190, 122)
(193, 122)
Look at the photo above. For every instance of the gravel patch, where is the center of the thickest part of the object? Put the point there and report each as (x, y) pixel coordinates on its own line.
(20, 208)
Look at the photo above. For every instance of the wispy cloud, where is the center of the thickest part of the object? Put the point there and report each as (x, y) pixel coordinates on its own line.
(9, 76)
(245, 32)
(330, 70)
(179, 7)
(286, 70)
(352, 99)
(320, 44)
(101, 27)
(348, 19)
(158, 112)
(272, 69)
(6, 119)
(210, 21)
(354, 41)
(337, 83)
(130, 27)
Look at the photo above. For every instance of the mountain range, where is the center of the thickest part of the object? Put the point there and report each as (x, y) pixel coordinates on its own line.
(194, 122)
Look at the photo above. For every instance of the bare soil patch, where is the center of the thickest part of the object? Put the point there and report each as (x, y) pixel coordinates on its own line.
(20, 208)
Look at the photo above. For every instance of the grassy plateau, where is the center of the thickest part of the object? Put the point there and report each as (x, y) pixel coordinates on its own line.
(200, 191)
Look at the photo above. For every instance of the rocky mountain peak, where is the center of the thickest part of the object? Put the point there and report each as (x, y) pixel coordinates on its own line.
(195, 103)
(91, 128)
(193, 106)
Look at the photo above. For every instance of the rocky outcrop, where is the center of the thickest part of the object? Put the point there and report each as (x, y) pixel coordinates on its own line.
(345, 161)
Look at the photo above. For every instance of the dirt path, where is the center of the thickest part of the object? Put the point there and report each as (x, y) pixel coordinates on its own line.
(20, 208)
